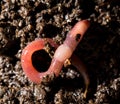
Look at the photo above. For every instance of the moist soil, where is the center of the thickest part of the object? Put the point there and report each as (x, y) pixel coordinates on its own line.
(22, 21)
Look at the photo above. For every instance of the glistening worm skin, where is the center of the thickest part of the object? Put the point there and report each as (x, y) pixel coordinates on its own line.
(26, 59)
(63, 52)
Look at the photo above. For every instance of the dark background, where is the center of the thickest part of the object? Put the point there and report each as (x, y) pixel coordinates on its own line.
(21, 21)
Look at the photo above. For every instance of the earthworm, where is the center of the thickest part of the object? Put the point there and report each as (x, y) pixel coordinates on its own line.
(26, 58)
(65, 50)
(62, 53)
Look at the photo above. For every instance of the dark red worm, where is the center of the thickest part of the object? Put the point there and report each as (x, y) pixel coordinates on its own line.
(63, 52)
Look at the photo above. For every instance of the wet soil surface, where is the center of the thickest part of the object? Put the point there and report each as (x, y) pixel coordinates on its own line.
(22, 21)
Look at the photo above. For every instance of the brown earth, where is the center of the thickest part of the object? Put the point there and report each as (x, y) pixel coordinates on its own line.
(21, 21)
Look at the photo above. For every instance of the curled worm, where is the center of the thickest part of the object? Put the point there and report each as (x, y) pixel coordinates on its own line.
(62, 53)
(26, 59)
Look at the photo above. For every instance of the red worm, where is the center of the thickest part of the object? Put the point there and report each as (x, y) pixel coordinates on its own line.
(63, 52)
(26, 59)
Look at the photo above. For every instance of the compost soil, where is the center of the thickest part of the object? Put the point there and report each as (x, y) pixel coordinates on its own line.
(22, 21)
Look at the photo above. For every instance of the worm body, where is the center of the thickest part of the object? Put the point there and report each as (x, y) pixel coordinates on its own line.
(82, 69)
(63, 52)
(26, 59)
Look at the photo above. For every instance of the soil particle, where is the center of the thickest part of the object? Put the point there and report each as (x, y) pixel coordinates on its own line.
(22, 21)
